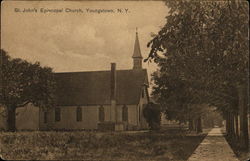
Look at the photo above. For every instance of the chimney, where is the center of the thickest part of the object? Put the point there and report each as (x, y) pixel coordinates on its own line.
(113, 81)
(113, 109)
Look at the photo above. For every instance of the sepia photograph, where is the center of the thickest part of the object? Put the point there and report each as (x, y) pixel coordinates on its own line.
(114, 80)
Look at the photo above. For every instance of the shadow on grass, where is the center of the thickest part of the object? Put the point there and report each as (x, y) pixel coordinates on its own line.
(242, 155)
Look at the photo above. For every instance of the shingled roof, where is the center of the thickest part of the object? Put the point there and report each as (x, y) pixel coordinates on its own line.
(93, 88)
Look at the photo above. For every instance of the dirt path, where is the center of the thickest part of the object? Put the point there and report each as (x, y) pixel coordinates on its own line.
(213, 148)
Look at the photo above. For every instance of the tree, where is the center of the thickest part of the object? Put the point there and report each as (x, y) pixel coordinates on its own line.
(152, 114)
(23, 83)
(205, 46)
(174, 95)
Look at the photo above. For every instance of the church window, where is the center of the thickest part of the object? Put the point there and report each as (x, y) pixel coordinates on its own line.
(124, 113)
(45, 117)
(57, 114)
(78, 114)
(139, 115)
(101, 114)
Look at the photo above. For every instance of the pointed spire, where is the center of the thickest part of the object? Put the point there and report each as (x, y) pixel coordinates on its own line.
(137, 50)
(137, 57)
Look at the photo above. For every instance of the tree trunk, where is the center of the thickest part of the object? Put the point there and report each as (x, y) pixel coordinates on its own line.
(211, 123)
(190, 125)
(195, 125)
(11, 119)
(236, 126)
(243, 111)
(232, 125)
(199, 127)
(227, 123)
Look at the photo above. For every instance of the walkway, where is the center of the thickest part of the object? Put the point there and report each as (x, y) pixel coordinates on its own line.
(213, 148)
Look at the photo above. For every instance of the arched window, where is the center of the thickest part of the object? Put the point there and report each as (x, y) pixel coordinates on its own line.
(78, 114)
(139, 113)
(101, 114)
(124, 113)
(57, 114)
(45, 118)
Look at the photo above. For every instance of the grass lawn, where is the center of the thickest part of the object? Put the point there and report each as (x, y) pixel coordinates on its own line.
(164, 145)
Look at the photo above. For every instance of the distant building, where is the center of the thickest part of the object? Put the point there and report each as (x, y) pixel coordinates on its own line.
(103, 100)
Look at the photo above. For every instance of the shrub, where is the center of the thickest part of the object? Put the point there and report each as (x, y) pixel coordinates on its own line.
(152, 114)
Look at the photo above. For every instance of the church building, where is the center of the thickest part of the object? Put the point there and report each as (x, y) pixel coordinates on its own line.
(102, 100)
(105, 100)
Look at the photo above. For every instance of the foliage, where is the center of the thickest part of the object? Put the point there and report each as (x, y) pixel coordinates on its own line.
(212, 118)
(152, 114)
(202, 52)
(23, 82)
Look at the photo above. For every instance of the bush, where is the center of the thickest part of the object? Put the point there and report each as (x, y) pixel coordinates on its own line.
(152, 114)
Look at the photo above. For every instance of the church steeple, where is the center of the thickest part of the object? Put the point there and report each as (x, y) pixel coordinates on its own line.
(137, 57)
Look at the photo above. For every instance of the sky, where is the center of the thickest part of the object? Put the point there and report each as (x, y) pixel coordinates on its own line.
(80, 41)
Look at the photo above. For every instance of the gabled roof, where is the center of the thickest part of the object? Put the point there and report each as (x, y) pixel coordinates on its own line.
(137, 49)
(93, 88)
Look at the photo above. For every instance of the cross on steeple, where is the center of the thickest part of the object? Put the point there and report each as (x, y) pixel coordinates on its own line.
(137, 57)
